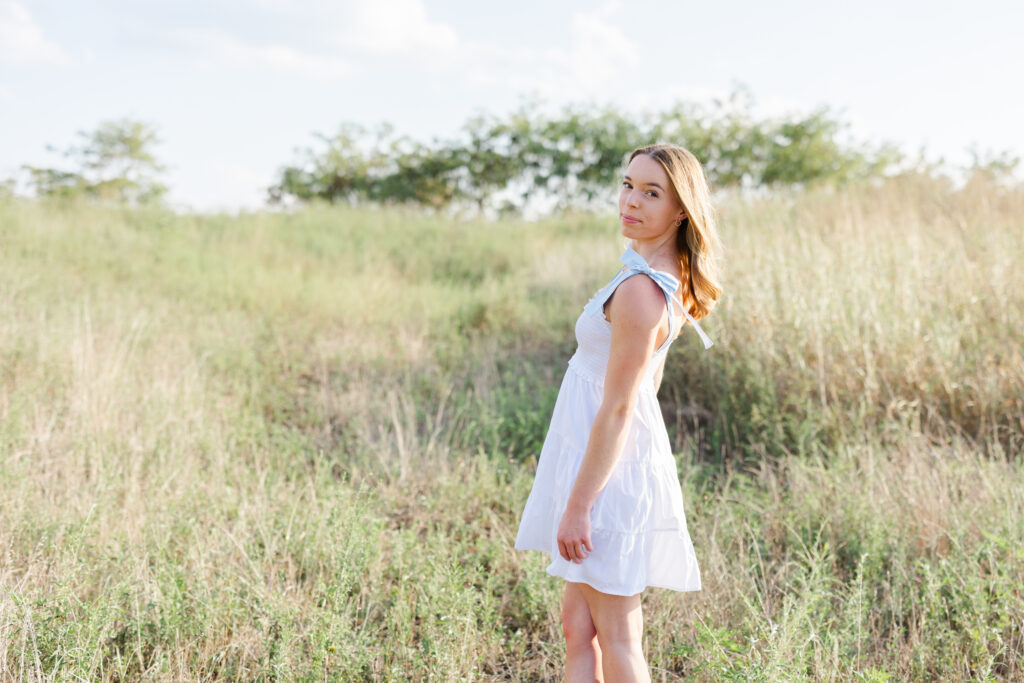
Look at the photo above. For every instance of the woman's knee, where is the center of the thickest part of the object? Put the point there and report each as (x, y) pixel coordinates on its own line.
(617, 620)
(621, 643)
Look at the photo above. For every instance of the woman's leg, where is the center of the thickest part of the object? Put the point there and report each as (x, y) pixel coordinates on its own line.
(620, 625)
(582, 654)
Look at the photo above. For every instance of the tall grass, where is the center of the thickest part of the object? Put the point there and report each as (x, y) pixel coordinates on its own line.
(296, 446)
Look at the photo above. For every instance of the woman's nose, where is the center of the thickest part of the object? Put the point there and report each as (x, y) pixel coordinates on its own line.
(631, 198)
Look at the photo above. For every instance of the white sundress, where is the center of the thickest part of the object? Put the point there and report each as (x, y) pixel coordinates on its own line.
(638, 527)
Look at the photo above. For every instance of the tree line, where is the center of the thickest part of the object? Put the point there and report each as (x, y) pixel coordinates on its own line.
(571, 158)
(575, 156)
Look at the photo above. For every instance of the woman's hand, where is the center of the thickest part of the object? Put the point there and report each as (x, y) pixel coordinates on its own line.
(574, 535)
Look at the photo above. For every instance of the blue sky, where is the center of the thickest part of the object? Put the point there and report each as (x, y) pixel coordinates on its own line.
(234, 87)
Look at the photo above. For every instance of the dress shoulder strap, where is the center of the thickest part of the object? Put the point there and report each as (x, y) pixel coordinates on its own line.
(669, 284)
(705, 339)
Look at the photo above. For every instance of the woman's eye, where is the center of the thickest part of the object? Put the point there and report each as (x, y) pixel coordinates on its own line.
(653, 194)
(626, 184)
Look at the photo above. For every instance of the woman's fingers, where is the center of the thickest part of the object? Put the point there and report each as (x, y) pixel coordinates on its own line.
(563, 551)
(575, 551)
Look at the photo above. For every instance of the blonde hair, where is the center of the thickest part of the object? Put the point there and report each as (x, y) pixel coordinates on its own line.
(697, 240)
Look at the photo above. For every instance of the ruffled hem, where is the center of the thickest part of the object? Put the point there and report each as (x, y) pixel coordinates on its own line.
(626, 564)
(638, 526)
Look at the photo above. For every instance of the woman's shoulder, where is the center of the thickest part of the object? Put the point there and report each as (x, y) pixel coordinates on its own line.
(638, 301)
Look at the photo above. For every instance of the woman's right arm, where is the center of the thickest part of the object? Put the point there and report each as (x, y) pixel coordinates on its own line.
(637, 313)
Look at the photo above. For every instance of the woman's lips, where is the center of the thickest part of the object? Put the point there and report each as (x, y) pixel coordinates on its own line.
(628, 219)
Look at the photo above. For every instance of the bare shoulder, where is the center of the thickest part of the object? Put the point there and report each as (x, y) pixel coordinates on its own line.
(638, 303)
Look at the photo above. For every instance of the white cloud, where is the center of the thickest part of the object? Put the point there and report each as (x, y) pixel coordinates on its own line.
(22, 41)
(599, 50)
(396, 27)
(283, 59)
(595, 63)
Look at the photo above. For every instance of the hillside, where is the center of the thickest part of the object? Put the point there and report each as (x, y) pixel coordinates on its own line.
(295, 446)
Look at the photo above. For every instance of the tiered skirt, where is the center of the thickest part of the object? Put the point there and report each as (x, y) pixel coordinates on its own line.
(638, 526)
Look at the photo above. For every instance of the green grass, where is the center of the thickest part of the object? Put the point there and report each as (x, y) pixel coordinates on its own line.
(295, 446)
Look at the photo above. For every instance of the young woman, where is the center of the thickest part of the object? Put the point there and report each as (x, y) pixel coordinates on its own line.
(606, 503)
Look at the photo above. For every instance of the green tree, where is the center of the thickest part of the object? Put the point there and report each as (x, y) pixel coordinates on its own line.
(740, 150)
(114, 163)
(358, 165)
(724, 135)
(808, 150)
(576, 157)
(486, 163)
(339, 173)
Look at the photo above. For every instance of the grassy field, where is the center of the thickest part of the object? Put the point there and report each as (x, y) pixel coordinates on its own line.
(295, 447)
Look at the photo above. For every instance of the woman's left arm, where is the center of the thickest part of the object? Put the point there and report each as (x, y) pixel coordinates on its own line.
(637, 312)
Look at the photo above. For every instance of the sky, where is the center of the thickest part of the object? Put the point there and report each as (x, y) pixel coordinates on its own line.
(236, 88)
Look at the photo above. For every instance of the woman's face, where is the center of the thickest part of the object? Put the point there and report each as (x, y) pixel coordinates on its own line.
(647, 205)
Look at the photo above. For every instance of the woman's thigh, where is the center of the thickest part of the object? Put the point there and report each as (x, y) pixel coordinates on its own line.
(617, 618)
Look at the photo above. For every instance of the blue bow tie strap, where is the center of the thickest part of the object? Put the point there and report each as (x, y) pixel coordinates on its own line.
(668, 283)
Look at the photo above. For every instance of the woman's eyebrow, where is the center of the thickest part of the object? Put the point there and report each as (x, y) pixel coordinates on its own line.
(648, 184)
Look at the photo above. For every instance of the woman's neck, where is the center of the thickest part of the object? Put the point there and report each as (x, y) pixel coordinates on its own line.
(661, 249)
